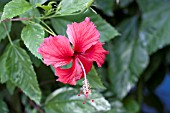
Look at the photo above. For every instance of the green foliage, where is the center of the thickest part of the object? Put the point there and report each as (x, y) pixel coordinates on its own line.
(73, 6)
(124, 3)
(3, 108)
(10, 86)
(34, 2)
(128, 106)
(30, 14)
(14, 8)
(140, 48)
(131, 105)
(106, 6)
(33, 35)
(127, 59)
(65, 100)
(3, 73)
(21, 72)
(107, 32)
(94, 80)
(155, 36)
(2, 29)
(48, 8)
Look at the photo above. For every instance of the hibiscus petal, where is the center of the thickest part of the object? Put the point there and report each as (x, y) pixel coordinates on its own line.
(86, 63)
(83, 35)
(56, 51)
(96, 53)
(70, 75)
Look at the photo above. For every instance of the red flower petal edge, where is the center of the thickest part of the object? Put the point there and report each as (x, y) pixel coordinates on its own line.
(86, 48)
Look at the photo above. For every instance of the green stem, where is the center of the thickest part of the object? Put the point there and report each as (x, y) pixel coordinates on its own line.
(49, 30)
(17, 19)
(48, 27)
(9, 38)
(52, 33)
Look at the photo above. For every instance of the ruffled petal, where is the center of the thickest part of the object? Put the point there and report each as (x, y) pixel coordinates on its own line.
(70, 75)
(56, 51)
(96, 53)
(83, 35)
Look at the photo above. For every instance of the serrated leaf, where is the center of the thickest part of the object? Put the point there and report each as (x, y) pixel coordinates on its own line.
(33, 35)
(3, 31)
(67, 7)
(94, 80)
(3, 108)
(20, 70)
(65, 100)
(127, 59)
(14, 8)
(154, 31)
(107, 32)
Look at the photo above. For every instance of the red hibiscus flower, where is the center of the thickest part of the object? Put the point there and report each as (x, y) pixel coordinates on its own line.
(84, 49)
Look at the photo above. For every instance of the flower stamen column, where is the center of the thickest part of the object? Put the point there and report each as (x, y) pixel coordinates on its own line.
(86, 90)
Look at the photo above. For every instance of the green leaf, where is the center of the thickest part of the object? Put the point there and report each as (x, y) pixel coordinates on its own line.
(107, 32)
(14, 8)
(124, 3)
(154, 31)
(33, 35)
(37, 62)
(3, 75)
(127, 58)
(128, 106)
(34, 2)
(106, 6)
(3, 108)
(3, 31)
(147, 5)
(94, 80)
(10, 86)
(131, 105)
(20, 70)
(2, 4)
(67, 7)
(65, 100)
(117, 107)
(32, 13)
(34, 111)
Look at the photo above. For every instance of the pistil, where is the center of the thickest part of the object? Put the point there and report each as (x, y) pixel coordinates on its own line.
(86, 87)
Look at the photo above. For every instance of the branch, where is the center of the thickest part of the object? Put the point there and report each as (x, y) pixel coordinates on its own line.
(36, 106)
(17, 19)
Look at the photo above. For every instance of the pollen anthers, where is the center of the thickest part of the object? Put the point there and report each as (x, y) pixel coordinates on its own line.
(86, 92)
(86, 89)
